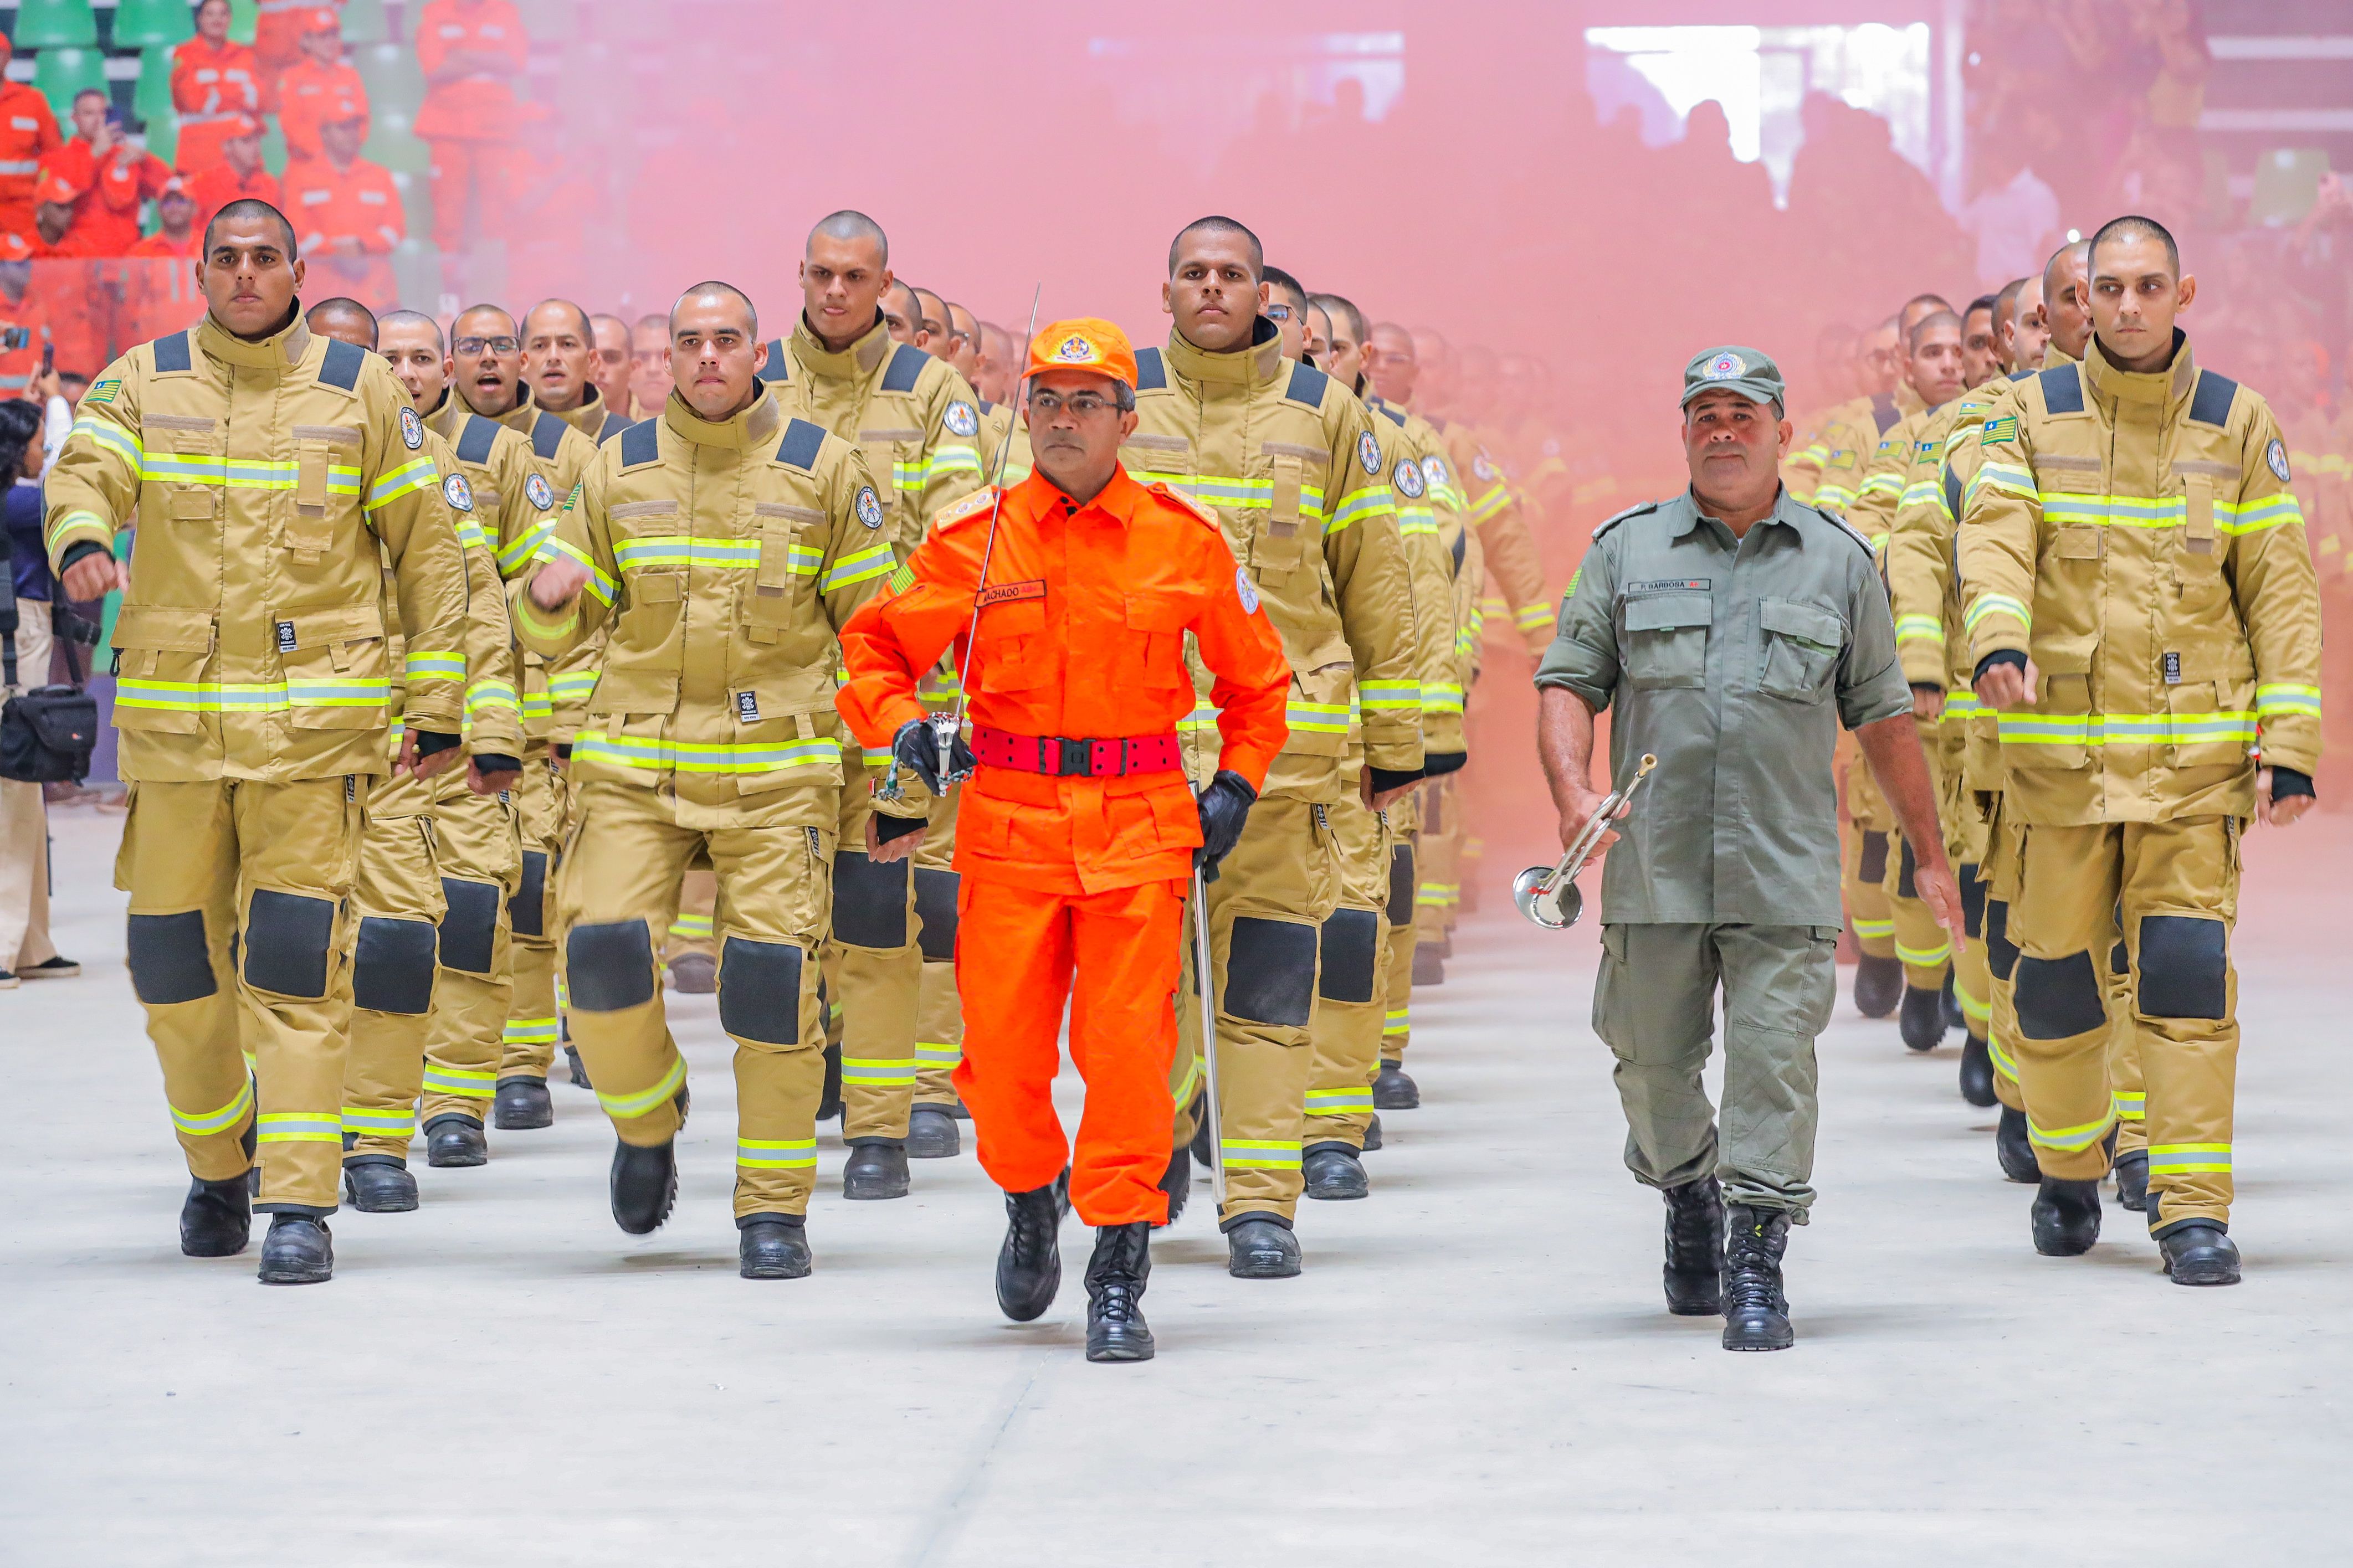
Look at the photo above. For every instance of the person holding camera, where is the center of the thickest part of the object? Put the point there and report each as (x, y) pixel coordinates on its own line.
(25, 952)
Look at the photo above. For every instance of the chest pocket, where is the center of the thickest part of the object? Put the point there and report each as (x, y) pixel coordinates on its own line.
(1801, 647)
(1152, 652)
(1014, 653)
(160, 656)
(1666, 640)
(788, 564)
(326, 483)
(1292, 532)
(184, 464)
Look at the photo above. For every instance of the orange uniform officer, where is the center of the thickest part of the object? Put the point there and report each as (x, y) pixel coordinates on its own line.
(215, 84)
(238, 174)
(1077, 832)
(320, 87)
(469, 50)
(278, 29)
(28, 133)
(347, 216)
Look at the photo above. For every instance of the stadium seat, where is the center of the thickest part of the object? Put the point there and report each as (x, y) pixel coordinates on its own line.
(59, 72)
(2287, 181)
(364, 22)
(273, 147)
(392, 75)
(54, 24)
(151, 97)
(392, 141)
(243, 16)
(143, 23)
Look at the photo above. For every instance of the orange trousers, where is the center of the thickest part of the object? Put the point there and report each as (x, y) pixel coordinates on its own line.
(1115, 956)
(473, 188)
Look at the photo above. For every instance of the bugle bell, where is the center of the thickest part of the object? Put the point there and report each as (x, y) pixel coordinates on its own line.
(1547, 895)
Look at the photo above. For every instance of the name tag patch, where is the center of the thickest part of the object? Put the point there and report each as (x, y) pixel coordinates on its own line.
(1670, 585)
(1009, 593)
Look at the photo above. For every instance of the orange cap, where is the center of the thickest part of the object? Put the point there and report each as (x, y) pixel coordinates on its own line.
(322, 20)
(1084, 343)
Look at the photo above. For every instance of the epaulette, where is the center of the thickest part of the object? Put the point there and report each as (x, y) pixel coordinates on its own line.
(1306, 385)
(1394, 417)
(2018, 375)
(777, 368)
(2210, 404)
(1884, 411)
(2063, 389)
(1161, 489)
(1150, 371)
(475, 441)
(1630, 511)
(173, 356)
(802, 443)
(1870, 551)
(977, 504)
(641, 443)
(547, 437)
(616, 427)
(905, 369)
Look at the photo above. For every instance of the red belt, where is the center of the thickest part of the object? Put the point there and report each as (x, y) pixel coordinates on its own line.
(1058, 756)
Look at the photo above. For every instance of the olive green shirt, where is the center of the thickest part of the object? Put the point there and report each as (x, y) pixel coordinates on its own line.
(1734, 660)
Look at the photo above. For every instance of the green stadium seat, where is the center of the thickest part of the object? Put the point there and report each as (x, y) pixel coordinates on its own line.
(60, 72)
(366, 22)
(151, 97)
(273, 147)
(392, 141)
(54, 24)
(243, 16)
(143, 23)
(392, 75)
(162, 136)
(2287, 181)
(417, 273)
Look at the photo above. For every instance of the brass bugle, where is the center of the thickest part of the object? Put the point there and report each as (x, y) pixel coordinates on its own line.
(1547, 895)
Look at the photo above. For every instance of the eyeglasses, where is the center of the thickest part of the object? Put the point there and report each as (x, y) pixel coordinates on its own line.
(1046, 404)
(492, 345)
(1277, 313)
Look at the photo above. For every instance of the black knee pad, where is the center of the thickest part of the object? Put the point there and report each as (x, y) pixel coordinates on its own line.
(470, 930)
(287, 936)
(869, 901)
(935, 905)
(1352, 961)
(169, 959)
(393, 971)
(1271, 972)
(1973, 904)
(609, 967)
(760, 990)
(2185, 967)
(1875, 856)
(1401, 884)
(1906, 868)
(2002, 953)
(2059, 998)
(526, 911)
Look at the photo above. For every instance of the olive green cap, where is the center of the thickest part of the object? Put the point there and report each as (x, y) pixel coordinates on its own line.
(1740, 369)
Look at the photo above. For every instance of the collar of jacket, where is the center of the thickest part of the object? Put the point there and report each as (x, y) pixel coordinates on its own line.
(2053, 356)
(520, 417)
(443, 418)
(755, 426)
(852, 363)
(589, 417)
(1253, 366)
(2159, 386)
(280, 352)
(1690, 512)
(1039, 495)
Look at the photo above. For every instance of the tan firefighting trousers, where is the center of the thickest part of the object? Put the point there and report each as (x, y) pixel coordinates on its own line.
(1397, 982)
(532, 1026)
(1864, 854)
(873, 974)
(690, 929)
(1438, 868)
(1352, 1003)
(479, 846)
(397, 907)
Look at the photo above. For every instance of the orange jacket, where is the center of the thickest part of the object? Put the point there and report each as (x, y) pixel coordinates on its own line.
(214, 89)
(220, 185)
(28, 133)
(105, 199)
(160, 245)
(310, 95)
(1084, 637)
(474, 108)
(359, 203)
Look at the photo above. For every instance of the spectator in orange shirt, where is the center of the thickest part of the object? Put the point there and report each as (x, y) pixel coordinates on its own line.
(278, 30)
(238, 174)
(322, 86)
(28, 133)
(176, 212)
(347, 216)
(92, 187)
(215, 84)
(24, 330)
(472, 51)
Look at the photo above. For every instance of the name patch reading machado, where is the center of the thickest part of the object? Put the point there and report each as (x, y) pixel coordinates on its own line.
(1671, 585)
(1009, 592)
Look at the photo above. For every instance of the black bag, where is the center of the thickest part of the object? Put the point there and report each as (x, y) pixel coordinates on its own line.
(46, 734)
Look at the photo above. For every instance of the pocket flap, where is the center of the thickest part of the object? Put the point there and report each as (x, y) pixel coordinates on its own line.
(797, 691)
(347, 623)
(1335, 651)
(2078, 543)
(1159, 612)
(1665, 612)
(1015, 617)
(2065, 655)
(1803, 622)
(658, 588)
(164, 628)
(634, 691)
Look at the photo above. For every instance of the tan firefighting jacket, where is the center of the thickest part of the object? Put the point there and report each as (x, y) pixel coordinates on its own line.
(1430, 522)
(1289, 461)
(723, 557)
(270, 482)
(563, 453)
(515, 499)
(2135, 535)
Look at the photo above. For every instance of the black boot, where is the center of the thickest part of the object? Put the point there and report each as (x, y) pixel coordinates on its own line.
(1694, 1268)
(2015, 1148)
(956, 1108)
(1177, 1181)
(522, 1103)
(1029, 1264)
(2132, 1180)
(1920, 1022)
(249, 1140)
(1976, 1072)
(2200, 1252)
(1755, 1311)
(772, 1246)
(694, 974)
(1372, 1133)
(1954, 1017)
(644, 1186)
(455, 1140)
(1115, 1275)
(1334, 1172)
(876, 1170)
(829, 1100)
(1394, 1091)
(1878, 986)
(2066, 1217)
(217, 1218)
(932, 1134)
(379, 1184)
(1261, 1247)
(1428, 964)
(297, 1250)
(579, 1068)
(1202, 1132)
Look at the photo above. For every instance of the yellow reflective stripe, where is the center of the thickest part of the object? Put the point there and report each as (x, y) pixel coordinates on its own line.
(1391, 694)
(529, 1031)
(573, 686)
(705, 756)
(1258, 1154)
(1976, 1009)
(881, 1072)
(204, 1124)
(523, 546)
(2068, 1139)
(1863, 928)
(1356, 506)
(2165, 511)
(2174, 1159)
(109, 434)
(490, 692)
(436, 667)
(1920, 628)
(2132, 1105)
(1441, 696)
(1190, 1082)
(2122, 729)
(248, 696)
(1338, 1101)
(242, 473)
(864, 566)
(1320, 718)
(77, 521)
(2280, 697)
(1397, 1021)
(1922, 957)
(1235, 494)
(1997, 605)
(470, 534)
(630, 1106)
(1882, 484)
(2009, 477)
(776, 1153)
(535, 705)
(938, 1053)
(1530, 616)
(464, 1081)
(536, 619)
(558, 547)
(1836, 497)
(398, 1122)
(691, 925)
(298, 1127)
(420, 475)
(1962, 705)
(680, 549)
(1202, 717)
(2004, 1064)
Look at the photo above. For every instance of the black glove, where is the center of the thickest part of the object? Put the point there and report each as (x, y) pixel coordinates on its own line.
(917, 749)
(1388, 779)
(1437, 764)
(487, 762)
(2286, 782)
(1225, 808)
(2009, 656)
(887, 826)
(430, 742)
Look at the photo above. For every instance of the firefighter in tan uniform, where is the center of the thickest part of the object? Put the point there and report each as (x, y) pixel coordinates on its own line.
(1290, 462)
(270, 476)
(1814, 472)
(726, 540)
(2142, 610)
(918, 424)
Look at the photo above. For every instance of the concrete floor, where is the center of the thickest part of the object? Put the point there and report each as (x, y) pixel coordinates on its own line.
(1475, 1367)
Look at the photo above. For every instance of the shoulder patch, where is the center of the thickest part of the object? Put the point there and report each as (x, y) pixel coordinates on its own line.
(547, 437)
(1647, 506)
(1306, 388)
(1408, 478)
(868, 506)
(105, 391)
(802, 443)
(1246, 590)
(2002, 428)
(1369, 452)
(341, 364)
(539, 492)
(905, 369)
(2018, 375)
(777, 368)
(172, 354)
(641, 443)
(614, 426)
(976, 504)
(457, 492)
(2210, 404)
(1185, 501)
(960, 419)
(477, 439)
(412, 429)
(2275, 456)
(2063, 389)
(1150, 371)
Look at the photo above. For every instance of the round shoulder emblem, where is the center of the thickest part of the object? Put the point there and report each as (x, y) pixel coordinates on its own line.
(1434, 470)
(1247, 589)
(457, 492)
(412, 429)
(960, 419)
(540, 493)
(1409, 478)
(1369, 452)
(869, 507)
(1484, 468)
(2277, 455)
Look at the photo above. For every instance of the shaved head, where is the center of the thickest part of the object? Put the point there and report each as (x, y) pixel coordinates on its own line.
(561, 307)
(715, 292)
(414, 319)
(1216, 224)
(458, 322)
(2132, 226)
(847, 224)
(343, 319)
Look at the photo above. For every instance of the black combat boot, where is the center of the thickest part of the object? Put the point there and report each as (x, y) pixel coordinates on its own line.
(454, 1140)
(1393, 1089)
(829, 1100)
(644, 1186)
(1029, 1264)
(694, 974)
(1261, 1247)
(2015, 1148)
(217, 1218)
(297, 1250)
(1115, 1275)
(956, 1108)
(772, 1246)
(2066, 1217)
(579, 1068)
(932, 1134)
(1878, 986)
(1694, 1276)
(2200, 1252)
(379, 1184)
(1755, 1311)
(2131, 1171)
(1954, 1017)
(877, 1168)
(1334, 1172)
(1177, 1181)
(1372, 1133)
(1920, 1022)
(1976, 1072)
(522, 1103)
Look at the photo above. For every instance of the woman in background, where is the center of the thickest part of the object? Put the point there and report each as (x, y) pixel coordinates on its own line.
(25, 953)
